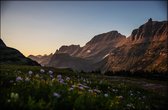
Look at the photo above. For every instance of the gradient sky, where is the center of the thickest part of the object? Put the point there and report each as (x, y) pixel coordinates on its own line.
(41, 27)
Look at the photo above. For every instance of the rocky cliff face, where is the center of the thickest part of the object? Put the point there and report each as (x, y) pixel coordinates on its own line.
(100, 45)
(71, 50)
(149, 32)
(12, 56)
(144, 49)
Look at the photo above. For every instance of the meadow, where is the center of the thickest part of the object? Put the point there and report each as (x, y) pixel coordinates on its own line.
(44, 88)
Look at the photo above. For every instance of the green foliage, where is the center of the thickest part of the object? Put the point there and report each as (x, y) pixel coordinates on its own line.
(52, 91)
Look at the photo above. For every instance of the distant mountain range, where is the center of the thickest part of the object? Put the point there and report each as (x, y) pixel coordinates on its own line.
(10, 55)
(145, 49)
(41, 59)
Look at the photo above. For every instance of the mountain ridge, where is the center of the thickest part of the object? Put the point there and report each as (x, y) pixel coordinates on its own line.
(112, 51)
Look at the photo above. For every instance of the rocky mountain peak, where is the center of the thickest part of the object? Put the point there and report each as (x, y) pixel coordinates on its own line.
(71, 49)
(151, 30)
(106, 37)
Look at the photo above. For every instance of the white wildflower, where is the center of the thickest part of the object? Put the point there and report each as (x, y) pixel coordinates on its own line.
(120, 97)
(96, 90)
(73, 86)
(50, 72)
(131, 106)
(56, 95)
(105, 95)
(42, 70)
(91, 91)
(80, 87)
(19, 78)
(30, 72)
(67, 78)
(27, 79)
(70, 89)
(59, 76)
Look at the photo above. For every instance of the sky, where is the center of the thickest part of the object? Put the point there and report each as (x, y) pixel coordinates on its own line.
(41, 27)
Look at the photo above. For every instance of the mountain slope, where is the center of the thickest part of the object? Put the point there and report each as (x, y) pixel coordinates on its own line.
(64, 60)
(10, 55)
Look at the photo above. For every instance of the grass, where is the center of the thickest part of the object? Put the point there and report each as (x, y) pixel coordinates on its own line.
(63, 89)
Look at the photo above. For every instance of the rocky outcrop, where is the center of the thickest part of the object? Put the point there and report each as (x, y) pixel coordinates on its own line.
(149, 32)
(71, 50)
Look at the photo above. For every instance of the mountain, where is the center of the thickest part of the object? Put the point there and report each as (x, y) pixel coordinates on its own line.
(64, 60)
(41, 59)
(82, 58)
(71, 50)
(10, 55)
(144, 49)
(100, 45)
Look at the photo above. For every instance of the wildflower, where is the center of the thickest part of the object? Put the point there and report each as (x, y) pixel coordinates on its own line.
(59, 76)
(120, 97)
(70, 89)
(42, 70)
(86, 86)
(27, 79)
(56, 95)
(131, 106)
(50, 72)
(91, 91)
(67, 78)
(80, 87)
(73, 86)
(61, 81)
(30, 72)
(19, 78)
(105, 95)
(96, 90)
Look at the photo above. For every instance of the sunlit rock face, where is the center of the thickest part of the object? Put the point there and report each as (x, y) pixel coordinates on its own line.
(144, 49)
